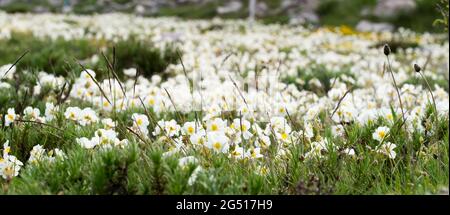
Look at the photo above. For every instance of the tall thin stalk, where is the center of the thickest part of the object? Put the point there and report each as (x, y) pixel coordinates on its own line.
(387, 51)
(418, 70)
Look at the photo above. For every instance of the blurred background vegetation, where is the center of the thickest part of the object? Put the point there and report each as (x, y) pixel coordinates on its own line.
(61, 57)
(417, 15)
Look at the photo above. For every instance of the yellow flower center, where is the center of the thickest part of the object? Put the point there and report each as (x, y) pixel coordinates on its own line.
(382, 134)
(151, 101)
(263, 170)
(10, 117)
(8, 171)
(217, 145)
(390, 117)
(214, 127)
(190, 130)
(139, 122)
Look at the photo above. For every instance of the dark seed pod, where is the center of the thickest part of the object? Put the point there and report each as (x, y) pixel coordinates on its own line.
(417, 68)
(387, 50)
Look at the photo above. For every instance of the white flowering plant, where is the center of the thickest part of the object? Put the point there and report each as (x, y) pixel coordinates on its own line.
(268, 110)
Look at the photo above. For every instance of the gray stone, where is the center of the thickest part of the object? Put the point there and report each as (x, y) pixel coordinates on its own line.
(230, 7)
(261, 8)
(301, 11)
(367, 26)
(389, 8)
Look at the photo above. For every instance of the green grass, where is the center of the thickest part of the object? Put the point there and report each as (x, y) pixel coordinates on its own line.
(60, 56)
(141, 169)
(421, 165)
(336, 12)
(319, 72)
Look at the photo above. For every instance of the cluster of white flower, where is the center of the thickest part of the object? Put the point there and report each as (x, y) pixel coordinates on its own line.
(84, 117)
(103, 138)
(386, 148)
(243, 72)
(32, 114)
(9, 164)
(239, 139)
(38, 154)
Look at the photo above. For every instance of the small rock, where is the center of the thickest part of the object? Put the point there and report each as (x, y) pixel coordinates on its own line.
(367, 26)
(304, 17)
(232, 6)
(40, 9)
(389, 8)
(261, 8)
(139, 9)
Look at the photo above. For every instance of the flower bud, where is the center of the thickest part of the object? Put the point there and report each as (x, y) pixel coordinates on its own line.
(387, 50)
(417, 68)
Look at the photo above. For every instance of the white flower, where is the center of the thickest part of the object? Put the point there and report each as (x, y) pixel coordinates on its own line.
(280, 109)
(194, 175)
(178, 145)
(387, 149)
(9, 164)
(121, 143)
(262, 141)
(4, 85)
(60, 154)
(349, 151)
(254, 153)
(94, 59)
(238, 153)
(283, 136)
(131, 72)
(318, 147)
(105, 136)
(380, 133)
(337, 130)
(140, 123)
(87, 117)
(6, 148)
(4, 69)
(172, 128)
(108, 123)
(50, 111)
(72, 113)
(10, 116)
(279, 125)
(185, 161)
(216, 125)
(189, 128)
(242, 127)
(31, 113)
(37, 154)
(218, 142)
(262, 170)
(198, 138)
(10, 167)
(84, 74)
(86, 143)
(308, 132)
